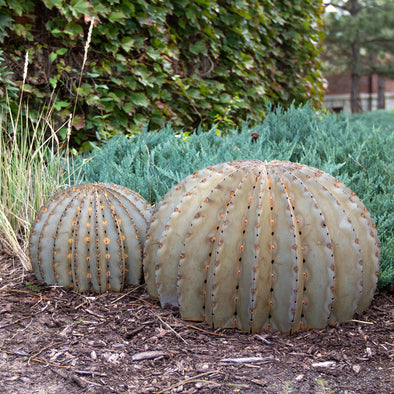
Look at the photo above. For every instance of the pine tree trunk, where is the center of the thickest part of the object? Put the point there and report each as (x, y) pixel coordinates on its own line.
(381, 94)
(370, 91)
(355, 100)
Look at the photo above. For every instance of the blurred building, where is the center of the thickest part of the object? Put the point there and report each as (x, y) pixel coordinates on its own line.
(337, 97)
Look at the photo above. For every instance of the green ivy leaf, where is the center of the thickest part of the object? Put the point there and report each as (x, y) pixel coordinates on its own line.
(61, 51)
(198, 48)
(117, 17)
(128, 107)
(127, 43)
(79, 7)
(120, 58)
(88, 146)
(5, 21)
(153, 53)
(130, 6)
(53, 3)
(56, 32)
(73, 29)
(20, 30)
(63, 133)
(58, 105)
(20, 6)
(134, 129)
(139, 99)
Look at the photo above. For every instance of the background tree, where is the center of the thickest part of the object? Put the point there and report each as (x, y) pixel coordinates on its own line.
(360, 40)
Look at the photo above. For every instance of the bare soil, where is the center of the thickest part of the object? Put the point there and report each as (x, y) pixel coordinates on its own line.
(54, 340)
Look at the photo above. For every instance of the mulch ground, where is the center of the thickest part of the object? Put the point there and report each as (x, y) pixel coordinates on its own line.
(54, 340)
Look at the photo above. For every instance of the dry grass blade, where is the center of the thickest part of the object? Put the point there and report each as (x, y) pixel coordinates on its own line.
(361, 321)
(10, 240)
(85, 57)
(172, 330)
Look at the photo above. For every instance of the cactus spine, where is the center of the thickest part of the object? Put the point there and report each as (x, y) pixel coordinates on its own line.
(90, 236)
(260, 245)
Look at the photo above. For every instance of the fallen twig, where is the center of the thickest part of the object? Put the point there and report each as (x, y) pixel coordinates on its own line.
(92, 373)
(247, 359)
(15, 352)
(200, 329)
(166, 324)
(361, 321)
(126, 294)
(19, 320)
(263, 338)
(83, 382)
(239, 385)
(51, 365)
(24, 355)
(32, 293)
(189, 380)
(41, 350)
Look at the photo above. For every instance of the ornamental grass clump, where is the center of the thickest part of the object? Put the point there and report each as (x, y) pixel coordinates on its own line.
(34, 165)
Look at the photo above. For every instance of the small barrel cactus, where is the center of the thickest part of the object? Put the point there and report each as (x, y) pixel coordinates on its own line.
(258, 245)
(90, 237)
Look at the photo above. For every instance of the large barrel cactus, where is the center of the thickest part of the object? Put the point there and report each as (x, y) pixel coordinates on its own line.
(91, 237)
(260, 245)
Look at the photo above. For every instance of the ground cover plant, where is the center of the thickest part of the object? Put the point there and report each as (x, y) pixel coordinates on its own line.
(355, 149)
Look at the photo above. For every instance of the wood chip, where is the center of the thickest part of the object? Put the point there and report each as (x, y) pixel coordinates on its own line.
(324, 364)
(356, 368)
(148, 355)
(263, 338)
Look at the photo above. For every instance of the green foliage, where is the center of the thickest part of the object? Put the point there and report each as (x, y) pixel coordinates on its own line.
(355, 149)
(8, 89)
(179, 61)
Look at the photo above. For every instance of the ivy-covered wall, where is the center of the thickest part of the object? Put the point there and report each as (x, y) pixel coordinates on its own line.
(158, 61)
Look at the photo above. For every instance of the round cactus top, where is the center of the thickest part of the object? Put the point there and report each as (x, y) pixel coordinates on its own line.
(90, 236)
(251, 244)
